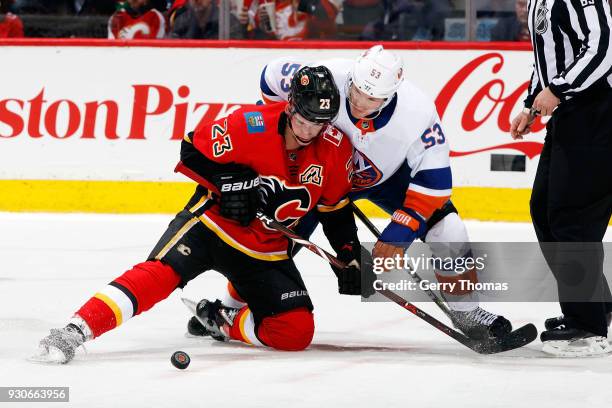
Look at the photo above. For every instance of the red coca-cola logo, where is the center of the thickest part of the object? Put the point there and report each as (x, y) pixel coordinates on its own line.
(506, 102)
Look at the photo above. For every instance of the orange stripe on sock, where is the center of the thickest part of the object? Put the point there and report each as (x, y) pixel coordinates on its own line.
(241, 319)
(424, 204)
(236, 331)
(112, 305)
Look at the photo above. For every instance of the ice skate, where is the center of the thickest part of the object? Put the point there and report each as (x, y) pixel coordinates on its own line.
(566, 340)
(196, 329)
(555, 322)
(59, 346)
(210, 319)
(480, 324)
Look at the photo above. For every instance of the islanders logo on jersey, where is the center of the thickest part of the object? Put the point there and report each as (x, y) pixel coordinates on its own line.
(365, 173)
(255, 122)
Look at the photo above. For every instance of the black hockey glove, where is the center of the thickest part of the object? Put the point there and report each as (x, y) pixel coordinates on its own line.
(350, 279)
(238, 185)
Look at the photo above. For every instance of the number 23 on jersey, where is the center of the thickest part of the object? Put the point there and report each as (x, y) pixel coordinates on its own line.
(221, 139)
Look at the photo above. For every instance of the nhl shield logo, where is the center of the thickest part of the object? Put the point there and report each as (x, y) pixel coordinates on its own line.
(304, 80)
(541, 22)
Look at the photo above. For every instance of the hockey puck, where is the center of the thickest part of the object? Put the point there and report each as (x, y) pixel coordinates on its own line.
(180, 360)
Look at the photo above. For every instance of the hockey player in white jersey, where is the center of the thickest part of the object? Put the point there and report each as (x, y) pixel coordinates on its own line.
(401, 163)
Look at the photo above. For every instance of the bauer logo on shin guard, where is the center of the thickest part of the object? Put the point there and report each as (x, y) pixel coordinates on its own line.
(294, 293)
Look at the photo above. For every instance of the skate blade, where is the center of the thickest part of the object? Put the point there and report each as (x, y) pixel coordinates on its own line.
(579, 348)
(192, 306)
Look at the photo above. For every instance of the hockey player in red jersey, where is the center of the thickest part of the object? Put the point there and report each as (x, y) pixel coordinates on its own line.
(283, 159)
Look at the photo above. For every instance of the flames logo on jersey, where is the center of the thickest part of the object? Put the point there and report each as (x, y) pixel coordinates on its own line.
(129, 32)
(365, 173)
(285, 203)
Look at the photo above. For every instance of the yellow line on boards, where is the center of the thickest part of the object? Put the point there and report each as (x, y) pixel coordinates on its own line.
(147, 197)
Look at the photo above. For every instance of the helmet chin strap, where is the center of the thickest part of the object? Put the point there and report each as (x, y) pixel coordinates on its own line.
(301, 142)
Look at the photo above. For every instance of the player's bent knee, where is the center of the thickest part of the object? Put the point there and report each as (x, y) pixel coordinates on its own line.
(288, 331)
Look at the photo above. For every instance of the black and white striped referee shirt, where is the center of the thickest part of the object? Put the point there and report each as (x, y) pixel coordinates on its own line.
(572, 46)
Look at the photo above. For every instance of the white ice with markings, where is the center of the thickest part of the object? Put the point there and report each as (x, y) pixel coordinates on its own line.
(363, 354)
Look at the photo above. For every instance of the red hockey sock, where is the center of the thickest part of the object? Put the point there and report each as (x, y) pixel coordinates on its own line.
(134, 292)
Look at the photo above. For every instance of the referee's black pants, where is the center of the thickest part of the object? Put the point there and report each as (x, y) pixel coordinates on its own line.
(571, 201)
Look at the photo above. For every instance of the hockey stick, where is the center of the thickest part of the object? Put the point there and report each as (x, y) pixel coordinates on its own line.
(481, 347)
(517, 338)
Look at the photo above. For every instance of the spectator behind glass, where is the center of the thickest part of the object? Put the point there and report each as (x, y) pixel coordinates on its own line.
(296, 19)
(417, 20)
(11, 25)
(136, 19)
(199, 19)
(513, 28)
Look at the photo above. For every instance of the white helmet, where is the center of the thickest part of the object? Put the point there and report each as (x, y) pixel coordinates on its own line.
(378, 72)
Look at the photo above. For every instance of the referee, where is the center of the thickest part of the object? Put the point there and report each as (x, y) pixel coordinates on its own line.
(571, 200)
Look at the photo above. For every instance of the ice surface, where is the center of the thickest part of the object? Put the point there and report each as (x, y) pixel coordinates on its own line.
(363, 355)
